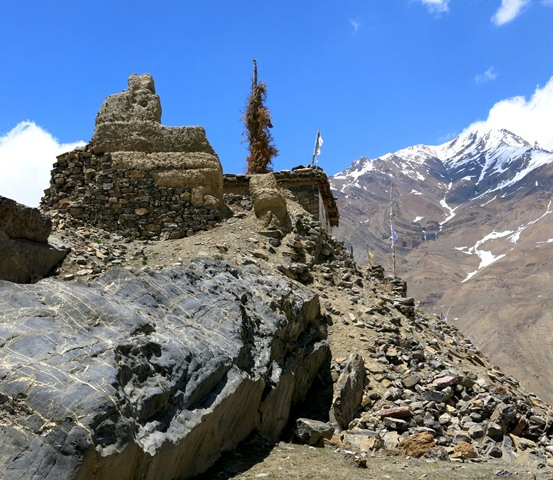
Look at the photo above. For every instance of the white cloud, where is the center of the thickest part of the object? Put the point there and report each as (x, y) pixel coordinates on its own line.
(437, 6)
(531, 119)
(488, 76)
(509, 10)
(355, 24)
(27, 153)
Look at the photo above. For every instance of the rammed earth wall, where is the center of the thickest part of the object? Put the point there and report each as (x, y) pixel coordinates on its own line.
(309, 185)
(135, 202)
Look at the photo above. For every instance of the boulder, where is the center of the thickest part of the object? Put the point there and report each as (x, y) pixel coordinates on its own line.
(21, 222)
(464, 451)
(26, 255)
(23, 261)
(313, 432)
(150, 374)
(348, 392)
(417, 445)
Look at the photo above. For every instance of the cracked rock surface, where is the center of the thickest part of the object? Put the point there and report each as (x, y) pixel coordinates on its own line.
(150, 374)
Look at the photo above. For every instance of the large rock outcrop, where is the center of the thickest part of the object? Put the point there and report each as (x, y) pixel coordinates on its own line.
(25, 255)
(150, 374)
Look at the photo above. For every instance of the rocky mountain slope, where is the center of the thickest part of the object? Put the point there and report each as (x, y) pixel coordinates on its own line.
(101, 363)
(475, 227)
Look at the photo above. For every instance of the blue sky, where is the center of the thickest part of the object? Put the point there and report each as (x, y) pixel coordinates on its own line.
(374, 75)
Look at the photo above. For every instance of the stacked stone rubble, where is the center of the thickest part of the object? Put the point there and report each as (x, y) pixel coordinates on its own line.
(424, 377)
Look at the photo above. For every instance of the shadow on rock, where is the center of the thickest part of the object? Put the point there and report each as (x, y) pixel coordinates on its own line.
(251, 451)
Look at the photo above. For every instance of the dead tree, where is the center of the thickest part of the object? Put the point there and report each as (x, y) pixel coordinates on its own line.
(257, 120)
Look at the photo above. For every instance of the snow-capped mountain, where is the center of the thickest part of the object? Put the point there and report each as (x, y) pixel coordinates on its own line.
(490, 160)
(432, 185)
(474, 218)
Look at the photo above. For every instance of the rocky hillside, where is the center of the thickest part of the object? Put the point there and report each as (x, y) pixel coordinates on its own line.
(475, 243)
(136, 360)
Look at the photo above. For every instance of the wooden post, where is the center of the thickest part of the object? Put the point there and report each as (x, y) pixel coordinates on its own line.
(391, 230)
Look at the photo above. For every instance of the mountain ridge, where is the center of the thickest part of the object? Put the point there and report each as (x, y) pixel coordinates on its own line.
(471, 214)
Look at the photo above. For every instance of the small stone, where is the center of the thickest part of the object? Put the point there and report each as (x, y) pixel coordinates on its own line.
(391, 352)
(393, 394)
(395, 424)
(361, 439)
(417, 445)
(410, 381)
(504, 414)
(464, 451)
(141, 212)
(520, 427)
(493, 451)
(443, 382)
(391, 439)
(444, 419)
(476, 431)
(438, 396)
(313, 432)
(396, 412)
(84, 271)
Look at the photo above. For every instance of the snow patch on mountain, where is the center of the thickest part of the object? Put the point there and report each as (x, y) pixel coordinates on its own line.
(444, 204)
(489, 201)
(516, 236)
(486, 256)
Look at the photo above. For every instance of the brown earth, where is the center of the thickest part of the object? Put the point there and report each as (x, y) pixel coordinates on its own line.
(254, 459)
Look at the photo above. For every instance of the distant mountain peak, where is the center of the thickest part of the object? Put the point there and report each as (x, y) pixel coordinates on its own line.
(490, 160)
(474, 142)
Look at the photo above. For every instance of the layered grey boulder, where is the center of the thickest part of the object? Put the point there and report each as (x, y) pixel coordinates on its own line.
(150, 374)
(25, 255)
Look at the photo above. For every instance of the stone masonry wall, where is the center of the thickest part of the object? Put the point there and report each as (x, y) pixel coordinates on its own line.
(91, 188)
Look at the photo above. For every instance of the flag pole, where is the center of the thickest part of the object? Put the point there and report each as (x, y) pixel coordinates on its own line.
(316, 150)
(392, 232)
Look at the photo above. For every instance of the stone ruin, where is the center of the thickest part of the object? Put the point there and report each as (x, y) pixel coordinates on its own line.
(144, 180)
(138, 177)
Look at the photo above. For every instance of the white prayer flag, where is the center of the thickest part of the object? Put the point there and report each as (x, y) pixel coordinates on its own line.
(319, 143)
(394, 235)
